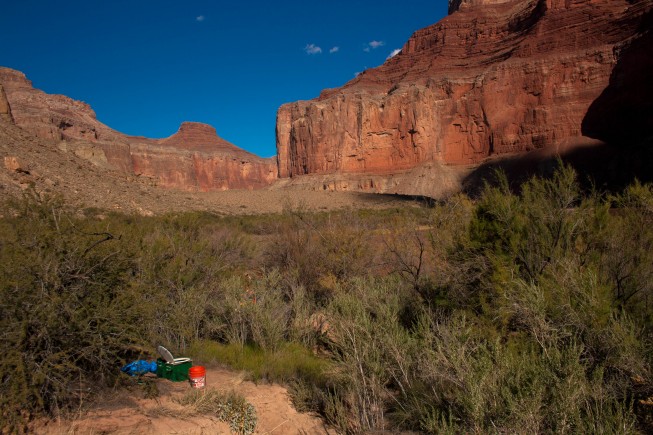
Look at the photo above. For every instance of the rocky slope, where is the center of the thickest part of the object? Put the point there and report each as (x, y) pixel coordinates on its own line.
(494, 78)
(194, 158)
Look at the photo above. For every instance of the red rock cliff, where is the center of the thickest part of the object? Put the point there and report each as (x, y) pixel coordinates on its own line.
(195, 158)
(494, 77)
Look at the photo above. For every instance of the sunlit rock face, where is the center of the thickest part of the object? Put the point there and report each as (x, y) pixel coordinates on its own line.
(495, 77)
(197, 158)
(194, 158)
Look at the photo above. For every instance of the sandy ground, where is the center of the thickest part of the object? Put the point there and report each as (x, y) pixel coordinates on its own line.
(126, 412)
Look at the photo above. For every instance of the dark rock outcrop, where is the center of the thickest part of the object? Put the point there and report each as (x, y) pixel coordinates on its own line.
(5, 109)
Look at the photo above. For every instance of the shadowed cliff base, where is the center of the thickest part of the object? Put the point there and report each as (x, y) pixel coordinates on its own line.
(618, 129)
(623, 114)
(599, 165)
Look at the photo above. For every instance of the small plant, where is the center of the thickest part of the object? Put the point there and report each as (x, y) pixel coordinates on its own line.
(231, 408)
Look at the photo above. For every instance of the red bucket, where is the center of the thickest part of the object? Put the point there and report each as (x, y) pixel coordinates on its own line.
(197, 376)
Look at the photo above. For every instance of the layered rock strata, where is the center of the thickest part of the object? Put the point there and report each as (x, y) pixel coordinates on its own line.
(195, 158)
(493, 78)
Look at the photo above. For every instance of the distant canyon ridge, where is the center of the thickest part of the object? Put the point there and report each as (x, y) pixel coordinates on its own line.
(493, 79)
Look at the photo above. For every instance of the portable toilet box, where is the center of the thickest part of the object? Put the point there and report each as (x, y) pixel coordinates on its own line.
(174, 369)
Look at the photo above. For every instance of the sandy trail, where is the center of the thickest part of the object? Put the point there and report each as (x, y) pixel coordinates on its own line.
(126, 412)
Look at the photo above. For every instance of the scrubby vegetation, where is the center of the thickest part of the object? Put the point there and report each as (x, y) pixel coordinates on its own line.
(525, 311)
(229, 407)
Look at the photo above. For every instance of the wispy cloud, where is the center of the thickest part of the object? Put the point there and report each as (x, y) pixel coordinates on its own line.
(312, 49)
(394, 53)
(373, 45)
(200, 18)
(334, 50)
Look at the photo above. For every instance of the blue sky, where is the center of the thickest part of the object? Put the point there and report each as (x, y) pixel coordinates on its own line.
(146, 66)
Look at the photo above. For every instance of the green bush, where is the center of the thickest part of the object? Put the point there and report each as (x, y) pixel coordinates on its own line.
(533, 229)
(68, 313)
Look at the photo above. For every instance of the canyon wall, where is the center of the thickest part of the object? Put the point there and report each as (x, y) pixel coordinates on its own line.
(195, 158)
(495, 77)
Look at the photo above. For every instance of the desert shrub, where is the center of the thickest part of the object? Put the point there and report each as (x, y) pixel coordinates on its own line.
(572, 303)
(450, 222)
(230, 407)
(626, 250)
(180, 264)
(370, 351)
(67, 310)
(270, 311)
(542, 345)
(467, 384)
(419, 247)
(255, 309)
(319, 249)
(533, 229)
(409, 254)
(524, 312)
(305, 324)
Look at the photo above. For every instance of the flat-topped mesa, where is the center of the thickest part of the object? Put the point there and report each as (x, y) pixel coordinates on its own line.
(196, 158)
(196, 136)
(492, 78)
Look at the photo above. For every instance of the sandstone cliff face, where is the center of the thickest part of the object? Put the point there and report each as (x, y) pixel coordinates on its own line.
(49, 116)
(194, 158)
(494, 77)
(5, 109)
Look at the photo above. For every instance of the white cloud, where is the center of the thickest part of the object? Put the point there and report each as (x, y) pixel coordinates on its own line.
(394, 53)
(312, 49)
(334, 50)
(200, 18)
(373, 45)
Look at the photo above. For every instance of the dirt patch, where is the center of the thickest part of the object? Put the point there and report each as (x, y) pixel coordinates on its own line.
(125, 412)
